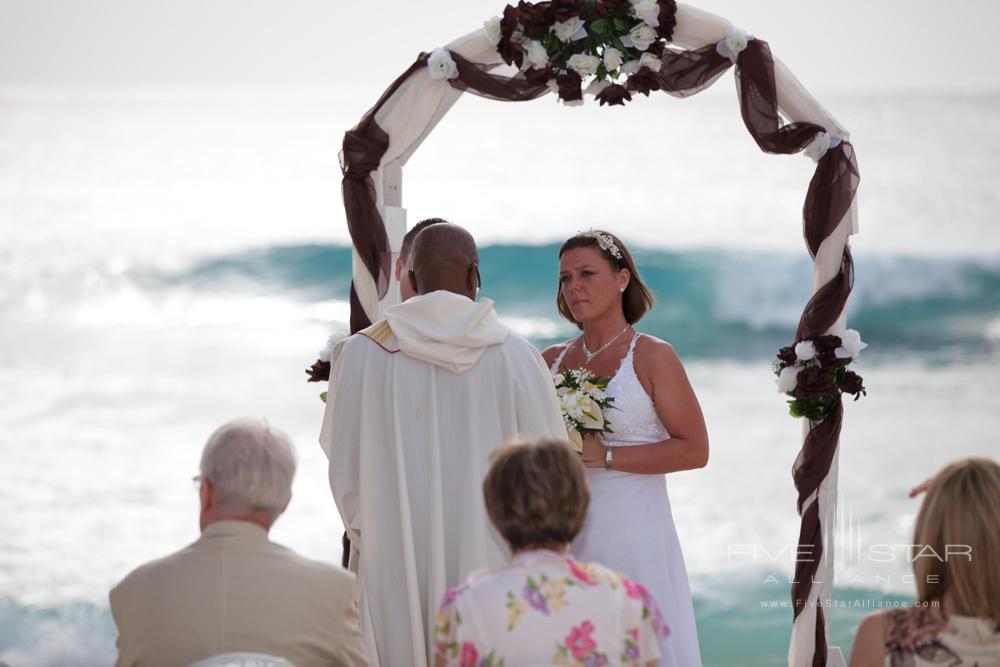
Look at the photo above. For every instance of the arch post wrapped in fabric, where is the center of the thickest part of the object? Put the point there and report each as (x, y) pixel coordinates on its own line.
(694, 50)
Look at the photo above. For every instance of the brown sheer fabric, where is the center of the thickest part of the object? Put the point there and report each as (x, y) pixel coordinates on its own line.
(475, 78)
(830, 194)
(363, 149)
(686, 73)
(759, 103)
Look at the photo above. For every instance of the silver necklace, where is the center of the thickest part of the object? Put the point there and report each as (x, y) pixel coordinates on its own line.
(590, 355)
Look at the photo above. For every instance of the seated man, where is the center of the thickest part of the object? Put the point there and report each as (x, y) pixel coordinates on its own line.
(233, 589)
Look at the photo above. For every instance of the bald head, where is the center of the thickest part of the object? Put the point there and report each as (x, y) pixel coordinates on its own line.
(445, 258)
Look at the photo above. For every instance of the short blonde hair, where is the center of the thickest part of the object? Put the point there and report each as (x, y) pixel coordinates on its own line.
(961, 513)
(536, 494)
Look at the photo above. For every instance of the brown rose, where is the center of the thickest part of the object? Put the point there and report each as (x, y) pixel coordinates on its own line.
(668, 19)
(643, 81)
(564, 10)
(851, 383)
(614, 94)
(786, 356)
(536, 18)
(570, 86)
(812, 381)
(319, 371)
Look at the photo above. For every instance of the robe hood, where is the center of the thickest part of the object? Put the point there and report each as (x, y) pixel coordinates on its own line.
(446, 329)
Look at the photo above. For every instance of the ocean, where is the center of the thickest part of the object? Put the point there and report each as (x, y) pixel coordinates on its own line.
(171, 258)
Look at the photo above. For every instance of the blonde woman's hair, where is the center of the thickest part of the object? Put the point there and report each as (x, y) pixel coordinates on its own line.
(960, 521)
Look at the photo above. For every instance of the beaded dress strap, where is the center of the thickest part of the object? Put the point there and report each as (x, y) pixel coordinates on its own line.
(558, 362)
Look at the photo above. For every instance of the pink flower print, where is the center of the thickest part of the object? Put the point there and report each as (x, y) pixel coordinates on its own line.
(634, 591)
(579, 641)
(469, 654)
(579, 572)
(635, 633)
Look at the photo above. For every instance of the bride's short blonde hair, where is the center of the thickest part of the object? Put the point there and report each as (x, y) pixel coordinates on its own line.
(957, 538)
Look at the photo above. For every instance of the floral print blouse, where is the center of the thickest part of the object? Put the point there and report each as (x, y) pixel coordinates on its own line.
(546, 608)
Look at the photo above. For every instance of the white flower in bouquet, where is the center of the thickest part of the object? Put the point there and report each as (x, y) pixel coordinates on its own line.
(583, 64)
(590, 414)
(647, 11)
(612, 58)
(640, 37)
(650, 61)
(805, 351)
(852, 344)
(582, 401)
(492, 29)
(536, 54)
(631, 67)
(569, 30)
(596, 86)
(441, 65)
(788, 379)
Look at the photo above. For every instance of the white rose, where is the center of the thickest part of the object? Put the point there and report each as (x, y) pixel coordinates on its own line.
(440, 65)
(805, 350)
(536, 53)
(650, 61)
(569, 30)
(596, 86)
(734, 42)
(631, 67)
(584, 65)
(647, 11)
(818, 147)
(853, 343)
(558, 379)
(612, 58)
(492, 29)
(787, 379)
(640, 37)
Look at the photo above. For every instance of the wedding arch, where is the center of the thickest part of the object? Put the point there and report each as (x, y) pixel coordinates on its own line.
(689, 50)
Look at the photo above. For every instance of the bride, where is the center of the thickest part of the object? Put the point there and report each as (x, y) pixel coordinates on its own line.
(657, 428)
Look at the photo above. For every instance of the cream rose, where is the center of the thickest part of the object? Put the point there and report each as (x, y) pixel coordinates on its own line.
(612, 58)
(641, 37)
(650, 61)
(492, 29)
(569, 30)
(440, 65)
(583, 64)
(536, 53)
(647, 11)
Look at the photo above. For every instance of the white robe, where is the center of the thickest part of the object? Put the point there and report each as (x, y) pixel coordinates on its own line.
(415, 408)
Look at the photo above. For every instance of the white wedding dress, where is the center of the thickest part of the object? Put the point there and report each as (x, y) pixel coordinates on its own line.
(629, 526)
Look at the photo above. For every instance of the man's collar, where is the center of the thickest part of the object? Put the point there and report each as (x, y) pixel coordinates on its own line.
(239, 529)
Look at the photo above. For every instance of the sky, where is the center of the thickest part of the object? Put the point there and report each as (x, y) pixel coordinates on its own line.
(844, 46)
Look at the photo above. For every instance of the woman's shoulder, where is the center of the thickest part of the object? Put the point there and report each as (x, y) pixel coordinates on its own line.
(655, 354)
(551, 353)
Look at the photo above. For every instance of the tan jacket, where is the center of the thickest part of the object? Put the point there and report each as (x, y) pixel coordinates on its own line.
(235, 590)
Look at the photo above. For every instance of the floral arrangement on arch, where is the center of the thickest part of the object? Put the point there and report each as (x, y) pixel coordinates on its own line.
(614, 44)
(814, 373)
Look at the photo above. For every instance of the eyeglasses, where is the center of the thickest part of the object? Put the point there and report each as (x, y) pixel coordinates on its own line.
(196, 481)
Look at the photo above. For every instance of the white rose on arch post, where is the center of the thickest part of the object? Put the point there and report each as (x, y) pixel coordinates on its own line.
(440, 65)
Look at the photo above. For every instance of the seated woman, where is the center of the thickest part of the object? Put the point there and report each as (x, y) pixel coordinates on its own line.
(544, 607)
(956, 563)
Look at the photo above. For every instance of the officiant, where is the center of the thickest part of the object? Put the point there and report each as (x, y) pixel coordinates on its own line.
(417, 403)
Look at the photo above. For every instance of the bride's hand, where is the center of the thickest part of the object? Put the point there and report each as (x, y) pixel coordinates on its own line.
(593, 451)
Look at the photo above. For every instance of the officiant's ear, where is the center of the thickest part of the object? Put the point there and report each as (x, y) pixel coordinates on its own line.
(473, 279)
(412, 277)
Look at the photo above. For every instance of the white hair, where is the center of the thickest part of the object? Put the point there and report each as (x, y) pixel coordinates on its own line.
(250, 466)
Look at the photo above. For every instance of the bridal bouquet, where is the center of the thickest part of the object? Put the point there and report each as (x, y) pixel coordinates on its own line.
(814, 374)
(583, 402)
(615, 44)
